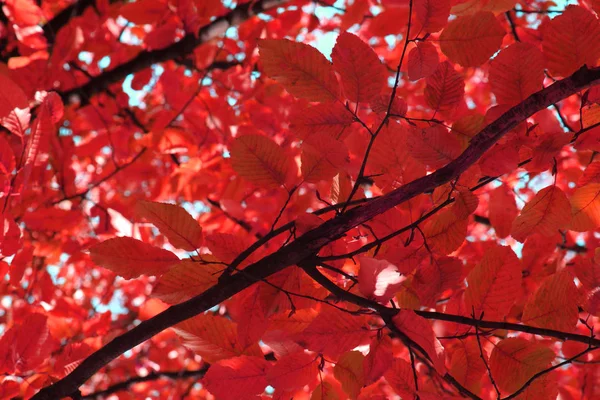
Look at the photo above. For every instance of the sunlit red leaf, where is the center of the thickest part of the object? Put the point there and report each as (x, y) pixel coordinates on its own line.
(493, 285)
(445, 232)
(516, 73)
(434, 147)
(260, 160)
(182, 230)
(433, 14)
(294, 371)
(23, 347)
(401, 378)
(379, 359)
(334, 332)
(422, 61)
(547, 212)
(349, 372)
(502, 210)
(436, 277)
(571, 40)
(445, 87)
(330, 119)
(363, 75)
(300, 68)
(466, 365)
(420, 331)
(186, 279)
(472, 39)
(322, 157)
(554, 304)
(131, 258)
(214, 338)
(514, 360)
(237, 378)
(585, 208)
(378, 279)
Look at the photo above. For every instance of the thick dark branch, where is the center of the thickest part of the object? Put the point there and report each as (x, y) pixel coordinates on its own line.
(150, 377)
(311, 242)
(185, 46)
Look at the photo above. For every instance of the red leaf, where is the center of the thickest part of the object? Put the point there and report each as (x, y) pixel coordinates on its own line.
(433, 14)
(294, 371)
(131, 258)
(422, 61)
(363, 75)
(378, 279)
(445, 88)
(237, 378)
(420, 331)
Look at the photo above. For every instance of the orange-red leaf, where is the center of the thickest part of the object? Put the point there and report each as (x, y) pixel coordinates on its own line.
(25, 346)
(547, 212)
(516, 73)
(300, 68)
(515, 360)
(349, 372)
(260, 160)
(585, 208)
(493, 284)
(213, 337)
(421, 332)
(445, 87)
(422, 61)
(554, 304)
(187, 279)
(571, 40)
(130, 258)
(237, 378)
(434, 278)
(471, 40)
(363, 75)
(321, 119)
(182, 230)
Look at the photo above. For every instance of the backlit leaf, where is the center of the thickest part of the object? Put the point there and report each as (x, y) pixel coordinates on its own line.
(493, 284)
(182, 230)
(322, 157)
(294, 371)
(420, 331)
(237, 378)
(349, 372)
(445, 87)
(516, 73)
(547, 212)
(515, 360)
(363, 75)
(471, 40)
(433, 14)
(434, 146)
(571, 40)
(260, 160)
(300, 68)
(502, 210)
(379, 359)
(378, 279)
(213, 338)
(422, 61)
(466, 365)
(400, 377)
(445, 232)
(330, 119)
(554, 304)
(187, 279)
(130, 258)
(585, 208)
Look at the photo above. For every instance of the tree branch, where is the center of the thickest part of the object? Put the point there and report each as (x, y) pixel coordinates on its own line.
(150, 377)
(311, 242)
(185, 46)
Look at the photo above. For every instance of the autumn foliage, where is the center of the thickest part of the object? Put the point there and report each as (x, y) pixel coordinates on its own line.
(303, 199)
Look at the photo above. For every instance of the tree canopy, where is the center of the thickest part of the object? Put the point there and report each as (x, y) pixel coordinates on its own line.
(307, 199)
